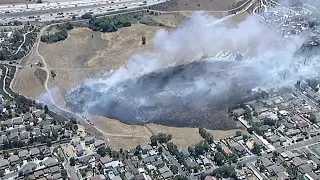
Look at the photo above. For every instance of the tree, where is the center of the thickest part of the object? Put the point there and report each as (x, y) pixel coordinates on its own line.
(72, 161)
(256, 149)
(102, 151)
(206, 135)
(174, 169)
(201, 147)
(143, 40)
(262, 168)
(225, 172)
(86, 16)
(39, 1)
(64, 174)
(160, 150)
(238, 133)
(46, 109)
(219, 158)
(2, 172)
(313, 118)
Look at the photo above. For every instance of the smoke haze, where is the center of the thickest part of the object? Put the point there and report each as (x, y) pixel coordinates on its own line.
(195, 68)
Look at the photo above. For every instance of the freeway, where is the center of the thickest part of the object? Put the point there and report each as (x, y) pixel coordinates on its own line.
(69, 12)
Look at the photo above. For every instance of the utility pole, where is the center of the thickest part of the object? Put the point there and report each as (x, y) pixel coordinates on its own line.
(27, 4)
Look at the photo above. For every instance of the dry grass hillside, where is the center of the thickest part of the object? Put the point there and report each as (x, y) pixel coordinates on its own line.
(86, 54)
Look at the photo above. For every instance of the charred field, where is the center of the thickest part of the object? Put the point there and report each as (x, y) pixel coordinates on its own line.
(183, 96)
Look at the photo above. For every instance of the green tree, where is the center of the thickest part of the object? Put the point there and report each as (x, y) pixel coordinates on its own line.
(72, 161)
(262, 168)
(256, 149)
(313, 118)
(225, 172)
(64, 174)
(46, 109)
(102, 151)
(143, 40)
(219, 158)
(86, 16)
(2, 172)
(238, 133)
(174, 169)
(201, 147)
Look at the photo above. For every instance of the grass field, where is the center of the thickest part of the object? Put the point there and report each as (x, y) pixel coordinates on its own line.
(86, 54)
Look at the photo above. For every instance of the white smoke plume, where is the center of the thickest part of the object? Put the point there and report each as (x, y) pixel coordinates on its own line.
(268, 59)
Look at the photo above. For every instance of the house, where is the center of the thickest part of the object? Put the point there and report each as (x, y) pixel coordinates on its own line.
(27, 117)
(13, 159)
(165, 172)
(167, 175)
(250, 145)
(302, 124)
(128, 176)
(99, 143)
(50, 162)
(105, 160)
(89, 140)
(264, 128)
(239, 148)
(85, 159)
(38, 174)
(13, 136)
(57, 128)
(24, 154)
(34, 152)
(36, 132)
(266, 162)
(298, 161)
(57, 176)
(283, 176)
(8, 123)
(305, 168)
(191, 164)
(55, 169)
(275, 169)
(132, 168)
(29, 167)
(113, 164)
(45, 150)
(3, 139)
(17, 120)
(4, 163)
(46, 130)
(226, 150)
(24, 135)
(288, 97)
(37, 113)
(209, 178)
(99, 177)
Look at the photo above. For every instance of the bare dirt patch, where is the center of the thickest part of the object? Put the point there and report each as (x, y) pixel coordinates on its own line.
(25, 81)
(218, 135)
(126, 142)
(116, 127)
(171, 20)
(182, 137)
